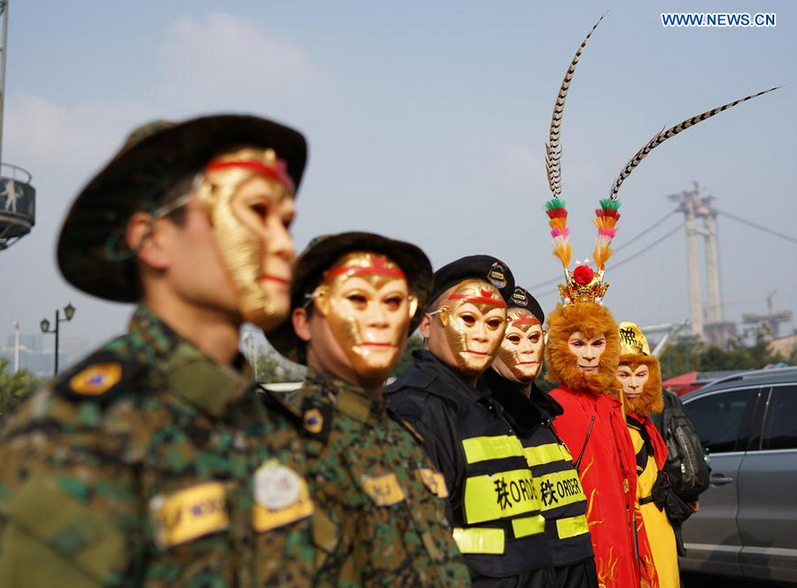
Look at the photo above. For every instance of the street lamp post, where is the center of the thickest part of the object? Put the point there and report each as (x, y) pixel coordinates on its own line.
(69, 312)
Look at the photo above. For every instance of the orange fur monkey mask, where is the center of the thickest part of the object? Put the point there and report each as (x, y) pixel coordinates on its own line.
(593, 320)
(635, 354)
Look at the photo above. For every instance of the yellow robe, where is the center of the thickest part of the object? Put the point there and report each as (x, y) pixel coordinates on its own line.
(659, 531)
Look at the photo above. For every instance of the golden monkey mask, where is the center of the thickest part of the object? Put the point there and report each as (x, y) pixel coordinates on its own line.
(365, 300)
(473, 317)
(521, 350)
(243, 226)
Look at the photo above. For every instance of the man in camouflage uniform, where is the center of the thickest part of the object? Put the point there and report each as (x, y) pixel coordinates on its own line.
(153, 463)
(379, 505)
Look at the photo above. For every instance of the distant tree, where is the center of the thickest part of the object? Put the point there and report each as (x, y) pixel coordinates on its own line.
(681, 355)
(14, 386)
(542, 382)
(405, 361)
(272, 368)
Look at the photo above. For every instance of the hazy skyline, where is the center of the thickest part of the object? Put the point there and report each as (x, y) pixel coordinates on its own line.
(426, 121)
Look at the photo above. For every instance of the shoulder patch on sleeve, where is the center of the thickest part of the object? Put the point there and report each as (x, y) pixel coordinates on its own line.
(101, 377)
(316, 419)
(312, 418)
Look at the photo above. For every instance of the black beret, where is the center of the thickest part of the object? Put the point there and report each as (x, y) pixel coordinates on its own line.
(483, 267)
(521, 298)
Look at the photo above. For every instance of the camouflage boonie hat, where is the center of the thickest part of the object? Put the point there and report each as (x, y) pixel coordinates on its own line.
(322, 252)
(154, 158)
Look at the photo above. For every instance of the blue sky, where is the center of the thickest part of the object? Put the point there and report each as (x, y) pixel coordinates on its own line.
(427, 122)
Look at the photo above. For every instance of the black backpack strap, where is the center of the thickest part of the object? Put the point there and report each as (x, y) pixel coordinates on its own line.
(647, 445)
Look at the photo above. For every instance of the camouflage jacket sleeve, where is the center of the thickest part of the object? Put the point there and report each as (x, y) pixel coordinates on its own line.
(68, 499)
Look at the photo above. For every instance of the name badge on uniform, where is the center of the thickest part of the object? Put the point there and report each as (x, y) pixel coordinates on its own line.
(435, 482)
(383, 490)
(189, 514)
(281, 497)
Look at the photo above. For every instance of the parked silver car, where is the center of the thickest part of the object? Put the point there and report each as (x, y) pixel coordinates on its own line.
(747, 523)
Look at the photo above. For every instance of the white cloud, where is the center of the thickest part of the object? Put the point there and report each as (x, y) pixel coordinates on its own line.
(216, 63)
(36, 126)
(224, 59)
(46, 136)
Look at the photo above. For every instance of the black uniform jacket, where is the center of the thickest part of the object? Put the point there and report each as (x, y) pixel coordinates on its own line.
(493, 503)
(563, 502)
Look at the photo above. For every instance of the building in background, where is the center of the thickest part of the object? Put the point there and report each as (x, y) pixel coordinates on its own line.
(36, 352)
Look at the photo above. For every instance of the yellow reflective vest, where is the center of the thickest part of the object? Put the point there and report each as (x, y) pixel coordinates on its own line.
(494, 503)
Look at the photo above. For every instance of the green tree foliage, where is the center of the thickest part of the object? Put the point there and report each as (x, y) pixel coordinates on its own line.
(272, 368)
(14, 386)
(542, 382)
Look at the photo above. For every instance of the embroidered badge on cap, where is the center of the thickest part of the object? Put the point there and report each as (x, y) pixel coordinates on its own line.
(497, 275)
(96, 379)
(434, 481)
(188, 514)
(520, 298)
(384, 490)
(281, 497)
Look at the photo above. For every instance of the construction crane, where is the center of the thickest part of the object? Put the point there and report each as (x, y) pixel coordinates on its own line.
(771, 320)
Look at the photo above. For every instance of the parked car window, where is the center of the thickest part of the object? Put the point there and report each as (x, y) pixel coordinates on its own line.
(718, 418)
(780, 431)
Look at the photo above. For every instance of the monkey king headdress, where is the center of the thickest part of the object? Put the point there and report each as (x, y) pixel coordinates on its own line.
(584, 287)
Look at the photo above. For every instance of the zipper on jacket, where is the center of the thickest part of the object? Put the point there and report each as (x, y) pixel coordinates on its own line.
(583, 449)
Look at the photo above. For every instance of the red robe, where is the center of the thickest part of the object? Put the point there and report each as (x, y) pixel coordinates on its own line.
(608, 476)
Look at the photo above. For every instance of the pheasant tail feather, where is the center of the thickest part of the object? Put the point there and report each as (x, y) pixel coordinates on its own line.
(663, 135)
(553, 148)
